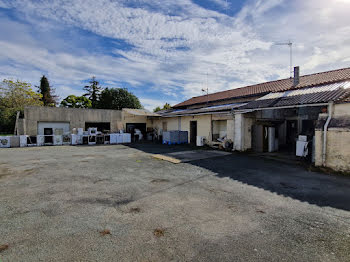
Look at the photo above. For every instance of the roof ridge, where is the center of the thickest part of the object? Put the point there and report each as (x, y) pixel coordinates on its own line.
(272, 81)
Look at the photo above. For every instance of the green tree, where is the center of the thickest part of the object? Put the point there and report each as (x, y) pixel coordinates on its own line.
(73, 101)
(165, 107)
(47, 92)
(157, 109)
(93, 91)
(14, 96)
(118, 98)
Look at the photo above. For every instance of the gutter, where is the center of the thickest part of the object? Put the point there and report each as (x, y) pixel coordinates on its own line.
(325, 128)
(277, 107)
(197, 114)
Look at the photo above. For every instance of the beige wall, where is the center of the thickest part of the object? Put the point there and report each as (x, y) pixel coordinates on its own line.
(231, 129)
(248, 123)
(338, 140)
(342, 110)
(338, 151)
(75, 116)
(203, 124)
(129, 118)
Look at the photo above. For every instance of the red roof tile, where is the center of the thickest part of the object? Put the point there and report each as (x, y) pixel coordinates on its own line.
(272, 86)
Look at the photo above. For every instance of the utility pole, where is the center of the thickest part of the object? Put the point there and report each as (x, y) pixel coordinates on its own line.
(290, 44)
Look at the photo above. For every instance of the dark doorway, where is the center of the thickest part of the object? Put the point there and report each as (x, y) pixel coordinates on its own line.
(101, 126)
(193, 132)
(292, 133)
(130, 128)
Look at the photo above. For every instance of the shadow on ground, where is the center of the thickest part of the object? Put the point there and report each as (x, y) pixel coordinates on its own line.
(292, 181)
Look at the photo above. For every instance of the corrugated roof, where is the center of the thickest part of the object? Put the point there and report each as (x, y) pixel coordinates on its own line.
(209, 109)
(272, 86)
(139, 112)
(312, 95)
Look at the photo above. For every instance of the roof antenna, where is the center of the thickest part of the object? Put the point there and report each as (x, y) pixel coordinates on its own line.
(290, 44)
(203, 90)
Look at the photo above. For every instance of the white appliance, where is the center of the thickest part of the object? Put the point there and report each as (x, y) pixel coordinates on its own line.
(76, 139)
(66, 139)
(85, 140)
(107, 139)
(31, 141)
(113, 138)
(14, 141)
(120, 138)
(139, 134)
(23, 141)
(126, 138)
(80, 131)
(92, 130)
(200, 140)
(5, 141)
(92, 140)
(302, 148)
(57, 140)
(302, 138)
(271, 139)
(40, 139)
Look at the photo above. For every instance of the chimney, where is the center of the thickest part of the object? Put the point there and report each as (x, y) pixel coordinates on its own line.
(296, 76)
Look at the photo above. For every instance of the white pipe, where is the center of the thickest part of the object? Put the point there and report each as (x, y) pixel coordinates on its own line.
(325, 128)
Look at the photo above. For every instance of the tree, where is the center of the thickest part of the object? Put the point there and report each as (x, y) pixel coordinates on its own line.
(14, 96)
(165, 107)
(118, 98)
(73, 101)
(93, 91)
(157, 109)
(47, 92)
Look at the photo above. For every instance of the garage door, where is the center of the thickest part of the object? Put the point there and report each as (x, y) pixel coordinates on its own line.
(54, 125)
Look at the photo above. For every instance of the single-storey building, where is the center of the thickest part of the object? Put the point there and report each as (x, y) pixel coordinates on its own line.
(276, 116)
(305, 115)
(36, 119)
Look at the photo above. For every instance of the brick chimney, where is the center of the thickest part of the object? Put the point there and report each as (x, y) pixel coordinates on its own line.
(296, 76)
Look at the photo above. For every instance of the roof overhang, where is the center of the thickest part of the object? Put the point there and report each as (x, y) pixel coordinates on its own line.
(243, 111)
(139, 112)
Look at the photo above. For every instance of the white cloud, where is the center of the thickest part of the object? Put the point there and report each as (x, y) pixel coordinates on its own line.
(178, 47)
(151, 104)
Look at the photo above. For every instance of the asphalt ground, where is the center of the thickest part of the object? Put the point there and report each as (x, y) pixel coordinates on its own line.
(118, 203)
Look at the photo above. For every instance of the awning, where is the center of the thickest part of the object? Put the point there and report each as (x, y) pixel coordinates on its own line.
(139, 112)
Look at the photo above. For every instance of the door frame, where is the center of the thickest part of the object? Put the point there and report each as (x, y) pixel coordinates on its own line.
(193, 132)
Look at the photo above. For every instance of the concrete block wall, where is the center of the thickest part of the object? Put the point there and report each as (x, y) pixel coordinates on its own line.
(75, 116)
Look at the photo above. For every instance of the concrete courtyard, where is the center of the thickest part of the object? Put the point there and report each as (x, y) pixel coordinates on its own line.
(118, 203)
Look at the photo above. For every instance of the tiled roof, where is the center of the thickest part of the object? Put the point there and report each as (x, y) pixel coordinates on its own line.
(272, 86)
(312, 95)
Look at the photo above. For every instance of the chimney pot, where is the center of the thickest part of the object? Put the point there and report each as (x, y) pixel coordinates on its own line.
(296, 75)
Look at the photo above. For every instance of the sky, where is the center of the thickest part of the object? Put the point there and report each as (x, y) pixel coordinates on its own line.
(169, 50)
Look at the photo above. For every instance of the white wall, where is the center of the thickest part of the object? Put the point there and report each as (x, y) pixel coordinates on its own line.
(54, 125)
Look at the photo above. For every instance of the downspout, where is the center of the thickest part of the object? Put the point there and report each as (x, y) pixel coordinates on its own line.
(325, 128)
